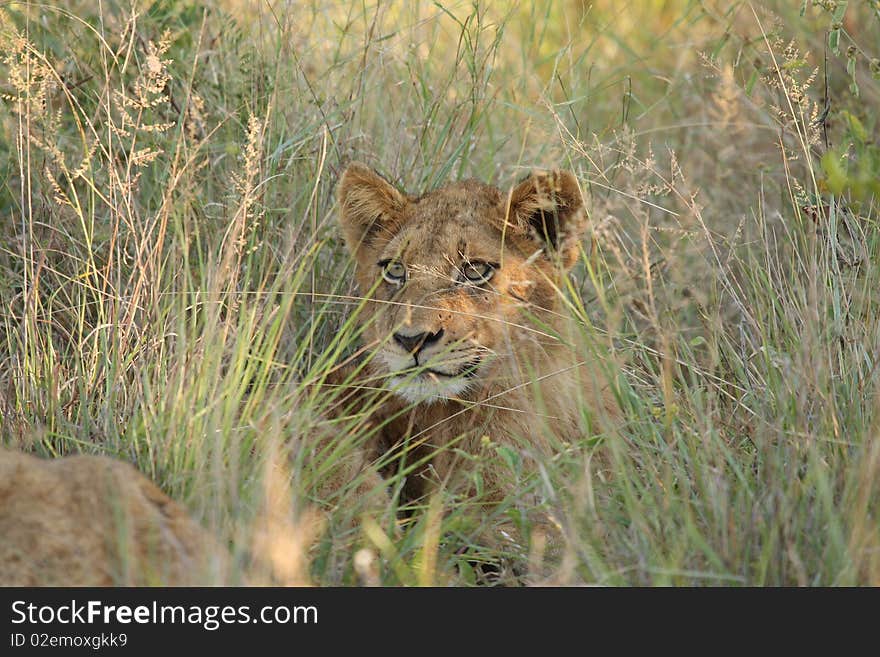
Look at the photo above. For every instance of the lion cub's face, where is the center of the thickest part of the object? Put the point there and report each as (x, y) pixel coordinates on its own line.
(454, 274)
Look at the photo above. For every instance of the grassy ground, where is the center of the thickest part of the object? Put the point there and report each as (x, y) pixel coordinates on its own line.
(172, 282)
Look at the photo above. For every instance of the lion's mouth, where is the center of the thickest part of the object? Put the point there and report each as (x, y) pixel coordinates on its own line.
(416, 370)
(426, 382)
(423, 378)
(467, 371)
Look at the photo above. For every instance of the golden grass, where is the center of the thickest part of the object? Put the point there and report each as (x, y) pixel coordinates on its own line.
(172, 283)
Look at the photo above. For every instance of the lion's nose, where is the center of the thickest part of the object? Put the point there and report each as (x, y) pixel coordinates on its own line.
(418, 341)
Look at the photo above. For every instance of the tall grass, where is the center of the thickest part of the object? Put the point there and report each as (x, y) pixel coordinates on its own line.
(174, 287)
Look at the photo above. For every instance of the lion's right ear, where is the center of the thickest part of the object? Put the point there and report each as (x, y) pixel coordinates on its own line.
(547, 206)
(371, 209)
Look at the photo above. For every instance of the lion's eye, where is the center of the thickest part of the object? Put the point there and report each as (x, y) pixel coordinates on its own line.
(477, 272)
(393, 271)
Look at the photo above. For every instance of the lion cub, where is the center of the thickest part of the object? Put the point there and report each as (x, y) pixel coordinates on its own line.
(465, 327)
(95, 521)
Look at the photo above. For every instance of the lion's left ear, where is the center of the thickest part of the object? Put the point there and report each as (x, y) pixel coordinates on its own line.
(548, 208)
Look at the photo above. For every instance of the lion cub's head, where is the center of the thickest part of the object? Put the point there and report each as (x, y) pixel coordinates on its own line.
(455, 274)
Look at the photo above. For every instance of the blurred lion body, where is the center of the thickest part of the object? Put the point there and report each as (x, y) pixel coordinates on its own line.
(95, 521)
(464, 323)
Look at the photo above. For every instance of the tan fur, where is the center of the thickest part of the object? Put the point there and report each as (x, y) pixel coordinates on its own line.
(95, 521)
(528, 386)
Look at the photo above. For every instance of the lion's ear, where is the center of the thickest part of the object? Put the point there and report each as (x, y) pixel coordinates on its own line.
(547, 207)
(371, 209)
